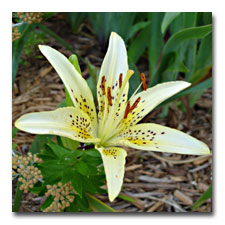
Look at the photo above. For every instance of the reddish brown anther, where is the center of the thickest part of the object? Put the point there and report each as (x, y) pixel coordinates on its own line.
(135, 104)
(120, 80)
(143, 81)
(127, 110)
(103, 85)
(109, 96)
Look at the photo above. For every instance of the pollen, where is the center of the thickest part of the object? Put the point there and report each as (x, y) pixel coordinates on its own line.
(143, 81)
(135, 104)
(127, 110)
(109, 96)
(120, 80)
(103, 85)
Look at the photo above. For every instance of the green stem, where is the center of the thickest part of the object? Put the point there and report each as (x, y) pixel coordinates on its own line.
(18, 198)
(60, 40)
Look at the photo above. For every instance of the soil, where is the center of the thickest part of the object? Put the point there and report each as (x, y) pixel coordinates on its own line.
(160, 182)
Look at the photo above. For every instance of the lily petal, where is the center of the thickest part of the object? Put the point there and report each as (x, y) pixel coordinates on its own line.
(150, 98)
(68, 122)
(114, 64)
(153, 137)
(114, 160)
(76, 85)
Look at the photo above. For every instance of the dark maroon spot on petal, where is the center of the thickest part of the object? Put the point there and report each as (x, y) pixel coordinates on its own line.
(70, 116)
(162, 132)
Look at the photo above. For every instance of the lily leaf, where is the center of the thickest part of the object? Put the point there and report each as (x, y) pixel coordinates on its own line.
(168, 18)
(97, 205)
(204, 197)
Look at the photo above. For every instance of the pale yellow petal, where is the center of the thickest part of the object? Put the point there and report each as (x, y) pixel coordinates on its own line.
(150, 98)
(114, 64)
(114, 160)
(68, 122)
(76, 85)
(159, 138)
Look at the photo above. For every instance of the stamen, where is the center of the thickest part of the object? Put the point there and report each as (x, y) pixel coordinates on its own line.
(143, 81)
(135, 104)
(103, 85)
(127, 110)
(109, 96)
(120, 80)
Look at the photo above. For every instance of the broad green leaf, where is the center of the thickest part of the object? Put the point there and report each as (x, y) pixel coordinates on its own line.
(204, 59)
(97, 205)
(83, 203)
(176, 25)
(76, 180)
(17, 198)
(47, 203)
(189, 33)
(104, 23)
(58, 150)
(126, 198)
(138, 46)
(168, 18)
(176, 40)
(14, 131)
(69, 143)
(155, 42)
(137, 27)
(17, 48)
(75, 19)
(74, 60)
(204, 197)
(38, 143)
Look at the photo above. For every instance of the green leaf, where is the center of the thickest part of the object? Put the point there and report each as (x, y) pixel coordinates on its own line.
(204, 59)
(138, 46)
(204, 197)
(38, 143)
(58, 150)
(126, 198)
(17, 198)
(76, 180)
(82, 203)
(189, 33)
(14, 131)
(104, 23)
(17, 48)
(82, 168)
(168, 18)
(47, 203)
(75, 19)
(155, 42)
(74, 60)
(174, 43)
(69, 143)
(137, 27)
(98, 206)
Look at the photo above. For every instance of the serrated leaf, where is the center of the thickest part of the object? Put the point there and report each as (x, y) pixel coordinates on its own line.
(58, 150)
(76, 180)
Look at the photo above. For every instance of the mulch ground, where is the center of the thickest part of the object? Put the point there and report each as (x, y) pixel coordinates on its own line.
(160, 182)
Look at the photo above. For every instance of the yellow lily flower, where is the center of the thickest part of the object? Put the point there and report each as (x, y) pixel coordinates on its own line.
(116, 123)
